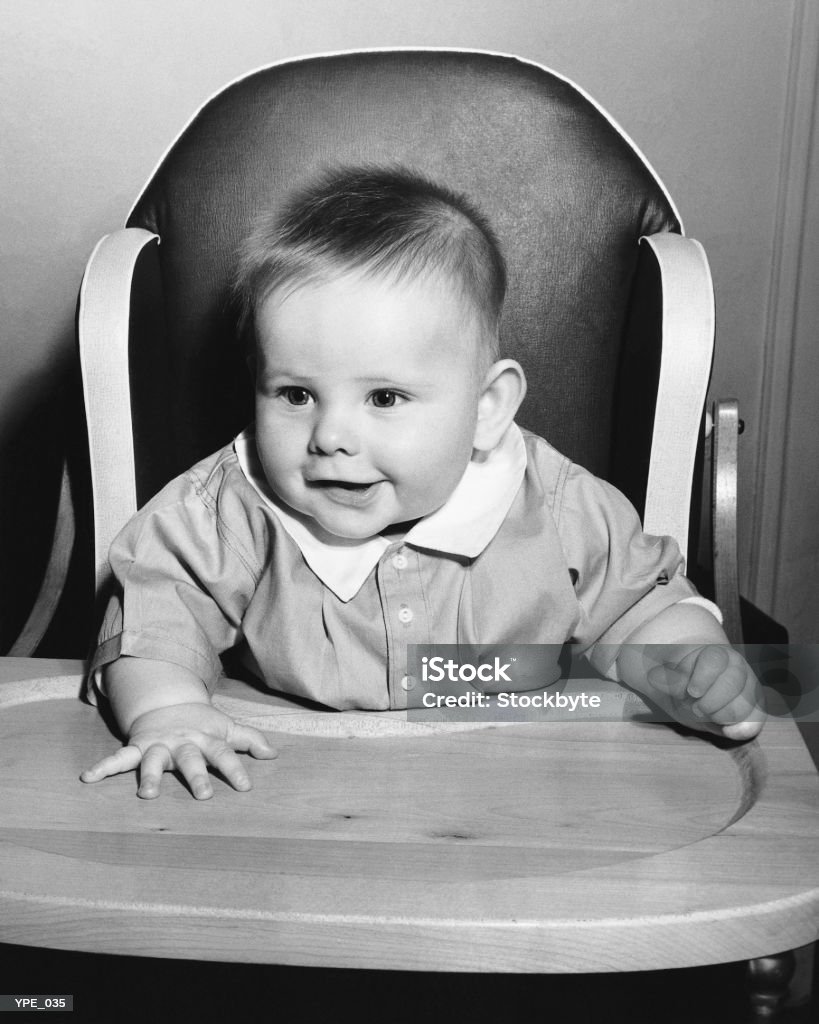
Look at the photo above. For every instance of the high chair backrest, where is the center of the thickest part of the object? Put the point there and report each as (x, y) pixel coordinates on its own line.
(567, 192)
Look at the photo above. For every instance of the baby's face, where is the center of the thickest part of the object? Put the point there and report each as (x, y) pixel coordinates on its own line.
(366, 399)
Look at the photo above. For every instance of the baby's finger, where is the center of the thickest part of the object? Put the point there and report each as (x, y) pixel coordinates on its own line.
(743, 730)
(225, 760)
(668, 680)
(155, 761)
(191, 764)
(746, 706)
(246, 738)
(728, 687)
(124, 760)
(704, 667)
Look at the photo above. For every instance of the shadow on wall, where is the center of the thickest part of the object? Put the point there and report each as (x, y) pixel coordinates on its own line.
(45, 426)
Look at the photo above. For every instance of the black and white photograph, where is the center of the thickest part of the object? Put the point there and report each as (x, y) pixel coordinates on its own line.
(409, 511)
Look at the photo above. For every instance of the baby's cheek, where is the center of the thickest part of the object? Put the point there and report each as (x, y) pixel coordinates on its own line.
(436, 478)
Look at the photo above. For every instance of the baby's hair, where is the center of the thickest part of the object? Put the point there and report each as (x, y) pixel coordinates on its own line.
(382, 221)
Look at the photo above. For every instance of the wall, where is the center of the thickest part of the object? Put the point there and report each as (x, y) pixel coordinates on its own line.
(94, 92)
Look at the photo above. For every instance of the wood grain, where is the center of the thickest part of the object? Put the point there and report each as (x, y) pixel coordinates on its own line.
(551, 847)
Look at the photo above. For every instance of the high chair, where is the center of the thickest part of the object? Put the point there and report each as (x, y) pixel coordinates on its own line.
(610, 308)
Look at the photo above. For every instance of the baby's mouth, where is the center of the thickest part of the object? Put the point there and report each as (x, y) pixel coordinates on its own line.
(345, 492)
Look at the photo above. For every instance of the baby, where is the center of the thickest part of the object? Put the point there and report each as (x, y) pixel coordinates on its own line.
(384, 497)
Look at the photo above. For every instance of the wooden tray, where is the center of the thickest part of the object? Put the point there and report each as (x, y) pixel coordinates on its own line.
(550, 847)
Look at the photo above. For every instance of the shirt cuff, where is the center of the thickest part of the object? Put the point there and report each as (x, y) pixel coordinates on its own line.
(703, 602)
(206, 666)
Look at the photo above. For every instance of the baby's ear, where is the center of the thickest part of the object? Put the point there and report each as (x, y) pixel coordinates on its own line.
(503, 389)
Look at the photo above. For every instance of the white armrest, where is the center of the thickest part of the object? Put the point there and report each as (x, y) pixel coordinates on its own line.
(685, 368)
(103, 329)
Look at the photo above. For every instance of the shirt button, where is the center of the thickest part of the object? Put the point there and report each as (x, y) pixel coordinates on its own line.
(399, 561)
(407, 683)
(405, 613)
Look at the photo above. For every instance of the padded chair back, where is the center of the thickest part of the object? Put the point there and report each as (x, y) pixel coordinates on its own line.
(567, 193)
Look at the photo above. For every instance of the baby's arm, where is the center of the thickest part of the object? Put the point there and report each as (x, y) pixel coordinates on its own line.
(682, 661)
(165, 712)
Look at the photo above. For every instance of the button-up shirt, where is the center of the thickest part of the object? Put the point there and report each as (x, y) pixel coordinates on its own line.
(529, 548)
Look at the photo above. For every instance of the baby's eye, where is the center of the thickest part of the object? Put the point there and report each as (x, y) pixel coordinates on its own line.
(384, 399)
(295, 395)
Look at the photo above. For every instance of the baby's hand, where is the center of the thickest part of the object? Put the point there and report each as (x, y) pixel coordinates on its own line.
(714, 684)
(186, 737)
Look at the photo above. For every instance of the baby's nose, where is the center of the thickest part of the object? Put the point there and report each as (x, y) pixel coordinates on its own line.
(334, 431)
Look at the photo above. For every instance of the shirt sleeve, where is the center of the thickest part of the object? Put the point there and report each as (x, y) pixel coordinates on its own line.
(623, 577)
(182, 580)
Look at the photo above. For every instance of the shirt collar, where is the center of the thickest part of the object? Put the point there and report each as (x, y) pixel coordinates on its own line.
(462, 526)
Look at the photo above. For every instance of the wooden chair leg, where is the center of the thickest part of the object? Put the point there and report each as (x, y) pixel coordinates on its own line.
(724, 515)
(768, 980)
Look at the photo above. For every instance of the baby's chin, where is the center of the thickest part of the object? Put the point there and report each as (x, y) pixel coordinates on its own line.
(390, 531)
(346, 529)
(352, 527)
